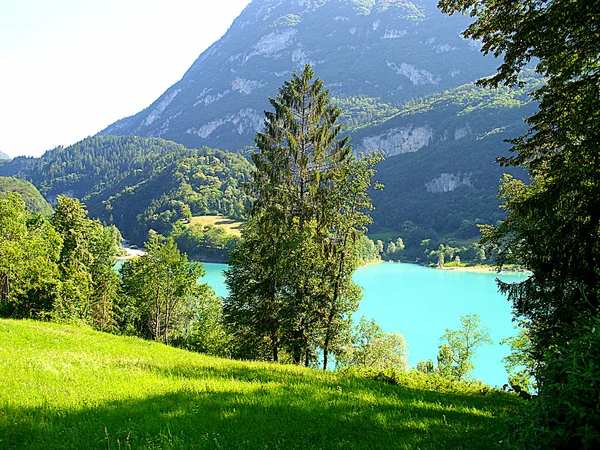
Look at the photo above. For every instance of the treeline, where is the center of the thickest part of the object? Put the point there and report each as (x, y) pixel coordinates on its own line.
(62, 268)
(444, 252)
(58, 268)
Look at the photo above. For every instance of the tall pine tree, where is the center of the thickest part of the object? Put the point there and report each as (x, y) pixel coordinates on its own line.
(290, 279)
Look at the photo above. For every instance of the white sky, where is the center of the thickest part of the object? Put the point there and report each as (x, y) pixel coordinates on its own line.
(69, 68)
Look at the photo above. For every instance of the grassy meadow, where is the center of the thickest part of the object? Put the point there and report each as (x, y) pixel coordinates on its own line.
(69, 387)
(231, 226)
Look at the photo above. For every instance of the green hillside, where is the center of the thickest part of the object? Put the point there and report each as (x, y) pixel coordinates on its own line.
(76, 388)
(34, 201)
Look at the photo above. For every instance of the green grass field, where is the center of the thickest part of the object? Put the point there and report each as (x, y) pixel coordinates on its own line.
(231, 226)
(74, 388)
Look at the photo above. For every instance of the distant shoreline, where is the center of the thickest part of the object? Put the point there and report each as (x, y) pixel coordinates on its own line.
(131, 252)
(473, 269)
(485, 269)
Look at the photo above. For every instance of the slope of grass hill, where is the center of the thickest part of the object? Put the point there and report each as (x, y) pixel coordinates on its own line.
(34, 201)
(68, 387)
(230, 226)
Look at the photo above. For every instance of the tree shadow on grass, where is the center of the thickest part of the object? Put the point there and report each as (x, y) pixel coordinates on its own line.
(258, 408)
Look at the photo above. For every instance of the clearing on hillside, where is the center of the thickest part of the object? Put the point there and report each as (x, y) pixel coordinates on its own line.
(231, 226)
(68, 387)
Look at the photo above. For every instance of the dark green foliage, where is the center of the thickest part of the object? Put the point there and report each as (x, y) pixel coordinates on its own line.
(553, 225)
(566, 414)
(95, 164)
(34, 202)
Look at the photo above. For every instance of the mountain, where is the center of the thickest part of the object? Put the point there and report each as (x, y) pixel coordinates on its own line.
(440, 173)
(402, 76)
(373, 54)
(4, 156)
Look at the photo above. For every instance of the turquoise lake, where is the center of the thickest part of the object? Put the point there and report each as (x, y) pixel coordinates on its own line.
(421, 303)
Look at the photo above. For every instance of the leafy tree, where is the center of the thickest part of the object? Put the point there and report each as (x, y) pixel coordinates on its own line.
(205, 332)
(457, 353)
(520, 365)
(445, 359)
(90, 286)
(290, 278)
(566, 413)
(426, 366)
(30, 283)
(367, 250)
(553, 226)
(374, 348)
(162, 287)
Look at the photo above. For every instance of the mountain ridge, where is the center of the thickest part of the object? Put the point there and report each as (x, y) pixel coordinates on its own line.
(392, 51)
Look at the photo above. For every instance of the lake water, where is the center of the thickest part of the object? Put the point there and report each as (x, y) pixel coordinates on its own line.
(421, 303)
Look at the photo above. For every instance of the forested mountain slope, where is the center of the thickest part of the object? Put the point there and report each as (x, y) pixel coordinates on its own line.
(440, 173)
(139, 183)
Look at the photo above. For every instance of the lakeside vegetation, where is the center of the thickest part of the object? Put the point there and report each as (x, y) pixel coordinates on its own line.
(77, 388)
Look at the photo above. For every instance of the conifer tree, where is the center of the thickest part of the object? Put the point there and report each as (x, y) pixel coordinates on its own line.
(289, 280)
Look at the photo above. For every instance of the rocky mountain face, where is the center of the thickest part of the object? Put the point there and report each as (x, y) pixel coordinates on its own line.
(382, 52)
